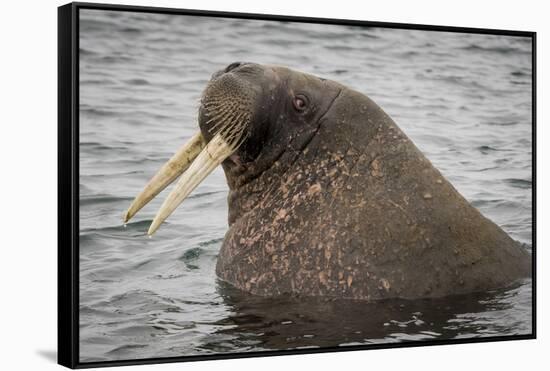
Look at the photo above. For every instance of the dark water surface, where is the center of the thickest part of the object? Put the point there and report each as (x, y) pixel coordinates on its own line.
(465, 100)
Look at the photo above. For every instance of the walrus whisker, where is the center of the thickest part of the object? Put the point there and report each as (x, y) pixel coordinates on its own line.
(227, 117)
(242, 139)
(216, 103)
(233, 128)
(230, 133)
(236, 129)
(223, 129)
(217, 115)
(224, 115)
(236, 120)
(217, 122)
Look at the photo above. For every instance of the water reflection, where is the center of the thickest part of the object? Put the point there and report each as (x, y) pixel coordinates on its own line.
(288, 322)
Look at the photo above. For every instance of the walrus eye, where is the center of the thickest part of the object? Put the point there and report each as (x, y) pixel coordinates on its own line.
(300, 102)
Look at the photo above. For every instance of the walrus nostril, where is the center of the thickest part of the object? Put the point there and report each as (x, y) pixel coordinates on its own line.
(233, 65)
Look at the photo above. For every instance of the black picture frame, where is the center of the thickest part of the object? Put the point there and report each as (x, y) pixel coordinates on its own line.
(68, 181)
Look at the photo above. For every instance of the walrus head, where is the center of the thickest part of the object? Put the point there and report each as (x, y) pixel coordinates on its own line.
(262, 107)
(249, 115)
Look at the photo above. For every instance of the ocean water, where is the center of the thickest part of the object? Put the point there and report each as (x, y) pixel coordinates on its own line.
(464, 99)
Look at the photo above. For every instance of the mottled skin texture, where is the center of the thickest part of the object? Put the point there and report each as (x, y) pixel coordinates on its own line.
(338, 202)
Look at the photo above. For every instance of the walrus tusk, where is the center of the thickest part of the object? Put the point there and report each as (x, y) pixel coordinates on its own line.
(181, 160)
(210, 157)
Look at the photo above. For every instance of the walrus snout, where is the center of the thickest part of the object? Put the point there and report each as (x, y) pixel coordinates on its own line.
(225, 114)
(226, 107)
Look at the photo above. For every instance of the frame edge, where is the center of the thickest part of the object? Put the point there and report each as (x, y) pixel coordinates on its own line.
(67, 294)
(301, 19)
(68, 309)
(534, 180)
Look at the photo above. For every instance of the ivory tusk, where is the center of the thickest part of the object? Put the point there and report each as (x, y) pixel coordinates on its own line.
(210, 157)
(181, 160)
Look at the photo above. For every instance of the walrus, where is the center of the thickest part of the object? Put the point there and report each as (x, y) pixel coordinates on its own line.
(328, 197)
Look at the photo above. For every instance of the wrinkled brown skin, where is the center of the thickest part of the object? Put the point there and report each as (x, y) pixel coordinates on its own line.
(361, 213)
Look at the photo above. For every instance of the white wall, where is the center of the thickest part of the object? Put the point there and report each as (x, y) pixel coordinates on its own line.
(28, 181)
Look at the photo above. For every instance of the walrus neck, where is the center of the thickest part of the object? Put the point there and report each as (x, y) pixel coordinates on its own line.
(249, 184)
